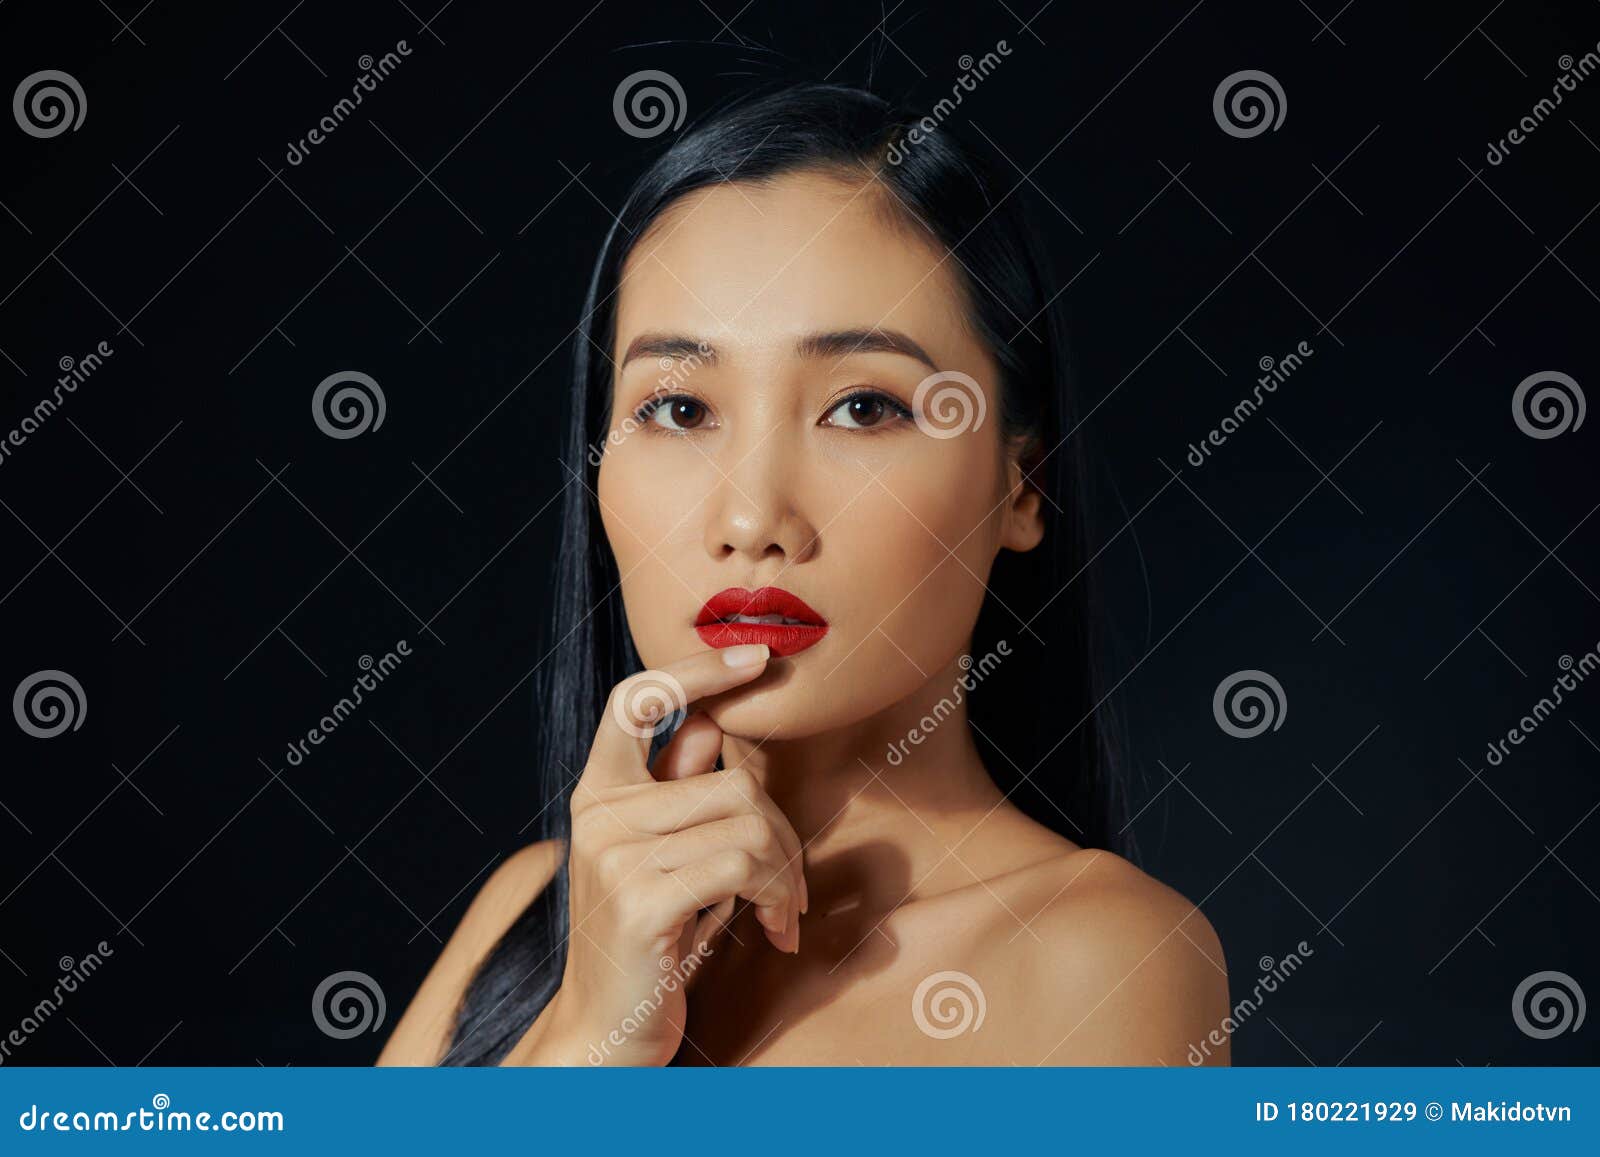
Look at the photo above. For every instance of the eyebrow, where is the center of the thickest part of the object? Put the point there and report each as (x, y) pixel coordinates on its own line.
(832, 344)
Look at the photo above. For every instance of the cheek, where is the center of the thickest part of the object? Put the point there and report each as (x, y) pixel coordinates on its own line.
(923, 545)
(651, 502)
(642, 518)
(626, 509)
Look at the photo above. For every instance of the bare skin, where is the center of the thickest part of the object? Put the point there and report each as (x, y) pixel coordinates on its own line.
(847, 880)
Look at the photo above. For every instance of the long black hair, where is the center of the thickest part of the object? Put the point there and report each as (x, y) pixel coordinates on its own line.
(1034, 716)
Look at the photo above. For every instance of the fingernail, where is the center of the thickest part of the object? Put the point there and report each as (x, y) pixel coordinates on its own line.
(746, 654)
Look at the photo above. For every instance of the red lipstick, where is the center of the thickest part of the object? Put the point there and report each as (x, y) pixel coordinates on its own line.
(770, 615)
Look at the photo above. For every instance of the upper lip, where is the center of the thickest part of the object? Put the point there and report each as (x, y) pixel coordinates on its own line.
(763, 601)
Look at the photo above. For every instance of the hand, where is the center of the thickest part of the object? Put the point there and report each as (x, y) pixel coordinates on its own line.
(648, 853)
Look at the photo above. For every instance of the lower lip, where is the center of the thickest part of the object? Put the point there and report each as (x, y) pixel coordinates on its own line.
(783, 638)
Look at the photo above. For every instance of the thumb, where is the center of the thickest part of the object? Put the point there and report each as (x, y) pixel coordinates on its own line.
(693, 750)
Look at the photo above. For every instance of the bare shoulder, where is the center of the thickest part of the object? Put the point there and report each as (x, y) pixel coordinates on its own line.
(1114, 967)
(421, 1035)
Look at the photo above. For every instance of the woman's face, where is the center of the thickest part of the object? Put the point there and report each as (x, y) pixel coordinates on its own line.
(765, 432)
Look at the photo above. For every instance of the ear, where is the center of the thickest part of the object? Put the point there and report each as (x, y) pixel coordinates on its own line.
(1023, 528)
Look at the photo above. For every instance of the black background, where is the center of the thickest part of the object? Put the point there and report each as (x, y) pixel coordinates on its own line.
(185, 492)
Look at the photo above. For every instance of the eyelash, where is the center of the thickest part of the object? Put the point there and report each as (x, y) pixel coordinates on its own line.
(897, 409)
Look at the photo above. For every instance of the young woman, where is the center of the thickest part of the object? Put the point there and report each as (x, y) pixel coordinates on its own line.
(826, 784)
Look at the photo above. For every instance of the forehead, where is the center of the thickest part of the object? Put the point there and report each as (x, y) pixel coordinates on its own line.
(808, 252)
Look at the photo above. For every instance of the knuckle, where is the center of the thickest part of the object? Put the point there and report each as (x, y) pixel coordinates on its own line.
(754, 831)
(772, 847)
(612, 864)
(744, 864)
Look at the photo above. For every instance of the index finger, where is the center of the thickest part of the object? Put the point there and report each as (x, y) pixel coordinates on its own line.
(645, 704)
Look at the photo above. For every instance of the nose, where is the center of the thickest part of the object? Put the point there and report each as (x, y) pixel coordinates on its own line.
(753, 513)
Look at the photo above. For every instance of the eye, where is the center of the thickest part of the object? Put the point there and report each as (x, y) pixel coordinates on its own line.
(864, 410)
(678, 413)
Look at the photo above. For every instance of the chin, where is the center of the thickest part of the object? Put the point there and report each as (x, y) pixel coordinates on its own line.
(793, 700)
(761, 722)
(783, 703)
